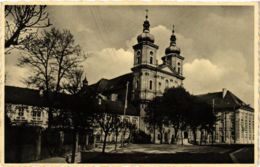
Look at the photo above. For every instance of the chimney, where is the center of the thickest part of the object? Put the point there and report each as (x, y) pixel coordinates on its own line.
(224, 92)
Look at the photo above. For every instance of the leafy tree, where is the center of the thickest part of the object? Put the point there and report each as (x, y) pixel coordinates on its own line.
(126, 126)
(23, 21)
(176, 103)
(154, 116)
(200, 117)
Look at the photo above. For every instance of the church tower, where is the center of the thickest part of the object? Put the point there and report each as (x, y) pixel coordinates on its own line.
(172, 56)
(145, 64)
(144, 70)
(145, 50)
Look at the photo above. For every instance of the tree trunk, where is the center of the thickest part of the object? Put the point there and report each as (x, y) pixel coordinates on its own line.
(87, 140)
(161, 139)
(116, 140)
(154, 133)
(175, 135)
(212, 137)
(201, 136)
(123, 137)
(181, 138)
(38, 144)
(104, 142)
(74, 146)
(194, 136)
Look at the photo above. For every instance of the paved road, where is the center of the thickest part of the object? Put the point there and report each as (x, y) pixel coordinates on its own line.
(152, 153)
(170, 149)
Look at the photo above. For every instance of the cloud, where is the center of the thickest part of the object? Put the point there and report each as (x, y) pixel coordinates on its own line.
(14, 75)
(226, 70)
(108, 63)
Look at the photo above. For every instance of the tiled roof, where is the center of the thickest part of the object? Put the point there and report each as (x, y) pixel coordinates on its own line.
(229, 102)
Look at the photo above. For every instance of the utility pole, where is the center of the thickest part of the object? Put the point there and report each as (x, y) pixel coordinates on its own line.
(215, 128)
(125, 107)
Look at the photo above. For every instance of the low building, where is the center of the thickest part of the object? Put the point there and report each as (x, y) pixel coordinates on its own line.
(25, 106)
(235, 118)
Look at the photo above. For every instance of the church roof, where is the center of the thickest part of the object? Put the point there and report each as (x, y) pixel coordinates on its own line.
(105, 85)
(118, 108)
(228, 102)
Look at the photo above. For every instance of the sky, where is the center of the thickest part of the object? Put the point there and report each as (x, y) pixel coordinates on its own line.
(216, 41)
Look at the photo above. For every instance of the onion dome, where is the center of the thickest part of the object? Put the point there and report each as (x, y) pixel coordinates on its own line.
(146, 36)
(172, 48)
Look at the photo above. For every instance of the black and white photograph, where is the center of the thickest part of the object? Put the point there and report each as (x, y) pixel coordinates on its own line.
(130, 83)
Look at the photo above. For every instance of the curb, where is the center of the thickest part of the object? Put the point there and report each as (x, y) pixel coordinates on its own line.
(232, 156)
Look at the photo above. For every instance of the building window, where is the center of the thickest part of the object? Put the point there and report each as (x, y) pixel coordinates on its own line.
(134, 121)
(159, 85)
(159, 137)
(138, 60)
(138, 54)
(151, 53)
(166, 84)
(151, 60)
(136, 84)
(20, 113)
(179, 70)
(36, 114)
(151, 85)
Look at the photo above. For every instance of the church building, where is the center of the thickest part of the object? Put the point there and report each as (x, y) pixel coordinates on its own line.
(148, 79)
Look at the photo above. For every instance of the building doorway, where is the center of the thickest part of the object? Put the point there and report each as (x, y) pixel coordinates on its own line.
(185, 135)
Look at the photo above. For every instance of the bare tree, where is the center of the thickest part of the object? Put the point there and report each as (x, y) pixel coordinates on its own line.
(23, 20)
(74, 81)
(50, 59)
(67, 56)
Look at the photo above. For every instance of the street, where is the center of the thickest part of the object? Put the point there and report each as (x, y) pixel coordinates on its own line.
(152, 153)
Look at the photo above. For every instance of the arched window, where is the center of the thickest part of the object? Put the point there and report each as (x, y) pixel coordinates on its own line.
(136, 84)
(138, 60)
(159, 85)
(151, 85)
(138, 57)
(151, 60)
(179, 70)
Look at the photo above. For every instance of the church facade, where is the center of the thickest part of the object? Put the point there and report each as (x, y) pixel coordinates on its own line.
(150, 79)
